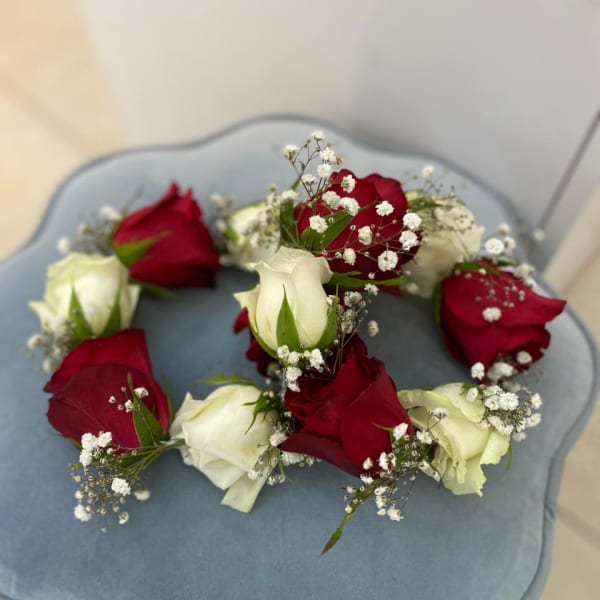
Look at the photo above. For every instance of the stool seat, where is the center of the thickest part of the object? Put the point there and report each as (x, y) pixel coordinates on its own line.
(183, 544)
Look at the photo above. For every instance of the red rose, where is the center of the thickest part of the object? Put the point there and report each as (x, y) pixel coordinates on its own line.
(94, 372)
(183, 253)
(340, 419)
(385, 228)
(488, 315)
(255, 353)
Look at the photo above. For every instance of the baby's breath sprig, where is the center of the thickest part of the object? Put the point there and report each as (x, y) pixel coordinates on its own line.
(387, 474)
(54, 343)
(94, 235)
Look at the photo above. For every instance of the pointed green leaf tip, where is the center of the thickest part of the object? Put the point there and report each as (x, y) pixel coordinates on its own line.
(113, 325)
(81, 328)
(287, 334)
(147, 427)
(131, 253)
(287, 224)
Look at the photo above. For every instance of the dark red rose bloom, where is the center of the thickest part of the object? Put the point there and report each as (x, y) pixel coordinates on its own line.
(386, 231)
(485, 316)
(184, 253)
(92, 373)
(254, 353)
(340, 419)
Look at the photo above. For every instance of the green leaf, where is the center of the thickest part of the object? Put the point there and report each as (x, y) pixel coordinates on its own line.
(331, 330)
(81, 328)
(155, 290)
(346, 281)
(287, 334)
(309, 240)
(131, 253)
(336, 223)
(261, 405)
(288, 226)
(146, 425)
(113, 325)
(222, 379)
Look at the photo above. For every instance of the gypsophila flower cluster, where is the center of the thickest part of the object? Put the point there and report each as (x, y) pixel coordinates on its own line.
(54, 343)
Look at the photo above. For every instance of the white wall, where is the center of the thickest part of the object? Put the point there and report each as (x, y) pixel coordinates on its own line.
(501, 88)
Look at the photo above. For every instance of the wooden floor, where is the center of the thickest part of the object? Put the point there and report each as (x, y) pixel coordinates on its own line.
(55, 114)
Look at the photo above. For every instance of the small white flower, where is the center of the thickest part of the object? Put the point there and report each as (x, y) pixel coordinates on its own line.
(383, 461)
(477, 370)
(293, 358)
(316, 359)
(142, 495)
(123, 517)
(365, 235)
(89, 441)
(509, 401)
(510, 243)
(472, 394)
(352, 298)
(394, 514)
(34, 341)
(534, 420)
(371, 289)
(367, 464)
(424, 437)
(81, 514)
(324, 170)
(349, 256)
(536, 401)
(387, 260)
(519, 436)
(64, 245)
(348, 183)
(129, 406)
(308, 179)
(318, 135)
(494, 246)
(504, 229)
(108, 213)
(523, 357)
(491, 314)
(384, 208)
(120, 486)
(427, 171)
(331, 199)
(372, 328)
(85, 458)
(283, 353)
(328, 155)
(408, 239)
(290, 151)
(500, 370)
(140, 392)
(104, 439)
(399, 431)
(318, 224)
(291, 376)
(412, 220)
(286, 196)
(439, 413)
(350, 205)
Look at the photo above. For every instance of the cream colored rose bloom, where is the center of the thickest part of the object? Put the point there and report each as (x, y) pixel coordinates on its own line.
(98, 281)
(297, 276)
(450, 236)
(220, 443)
(252, 234)
(463, 443)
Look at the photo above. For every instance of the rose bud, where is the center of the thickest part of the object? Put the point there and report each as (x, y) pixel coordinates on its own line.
(463, 442)
(487, 314)
(87, 295)
(357, 224)
(346, 419)
(289, 307)
(167, 243)
(224, 441)
(450, 235)
(98, 385)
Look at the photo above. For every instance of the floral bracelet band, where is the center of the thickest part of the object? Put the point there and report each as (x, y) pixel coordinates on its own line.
(324, 250)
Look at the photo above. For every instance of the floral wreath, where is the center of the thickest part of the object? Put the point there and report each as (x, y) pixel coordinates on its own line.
(324, 249)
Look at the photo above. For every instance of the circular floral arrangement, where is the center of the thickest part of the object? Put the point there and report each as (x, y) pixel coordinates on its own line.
(324, 250)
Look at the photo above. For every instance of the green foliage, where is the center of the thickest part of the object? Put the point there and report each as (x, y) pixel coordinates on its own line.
(287, 333)
(131, 253)
(113, 325)
(287, 223)
(80, 327)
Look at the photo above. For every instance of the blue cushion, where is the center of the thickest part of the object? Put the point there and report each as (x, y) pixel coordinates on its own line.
(183, 543)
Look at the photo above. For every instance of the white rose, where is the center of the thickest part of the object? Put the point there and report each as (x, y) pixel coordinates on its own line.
(98, 282)
(252, 234)
(221, 444)
(450, 236)
(295, 276)
(463, 443)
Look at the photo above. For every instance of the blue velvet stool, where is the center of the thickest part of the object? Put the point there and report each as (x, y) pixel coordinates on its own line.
(183, 544)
